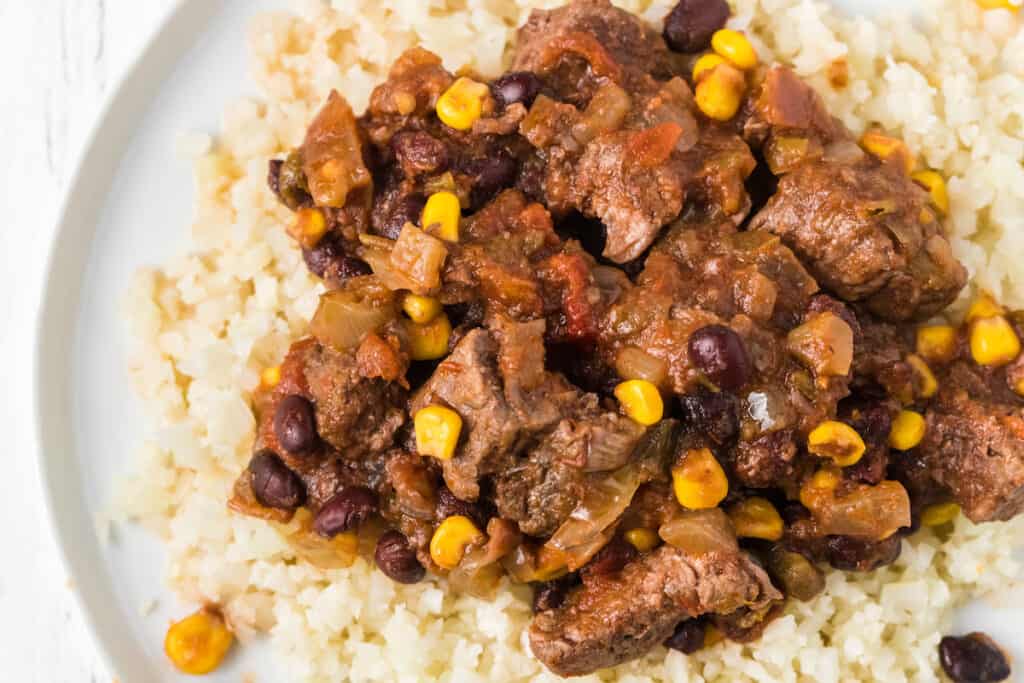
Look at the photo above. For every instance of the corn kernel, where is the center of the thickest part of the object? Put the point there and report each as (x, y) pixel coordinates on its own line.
(756, 518)
(437, 431)
(936, 343)
(939, 514)
(270, 377)
(421, 309)
(308, 227)
(885, 147)
(441, 216)
(824, 481)
(641, 400)
(429, 341)
(734, 46)
(198, 643)
(926, 378)
(699, 482)
(450, 540)
(907, 430)
(462, 104)
(642, 539)
(705, 64)
(838, 441)
(985, 306)
(998, 4)
(993, 341)
(720, 92)
(936, 186)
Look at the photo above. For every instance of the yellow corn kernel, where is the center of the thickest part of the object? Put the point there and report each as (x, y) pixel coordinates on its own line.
(699, 482)
(705, 64)
(308, 226)
(936, 343)
(985, 306)
(450, 540)
(270, 377)
(993, 341)
(734, 46)
(936, 186)
(907, 430)
(197, 644)
(999, 4)
(720, 92)
(429, 341)
(929, 385)
(641, 400)
(939, 514)
(437, 431)
(441, 216)
(462, 104)
(884, 147)
(642, 539)
(824, 481)
(421, 309)
(838, 441)
(756, 518)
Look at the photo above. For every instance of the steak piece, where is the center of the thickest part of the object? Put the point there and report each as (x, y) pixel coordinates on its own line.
(354, 414)
(519, 420)
(976, 450)
(573, 47)
(613, 618)
(865, 232)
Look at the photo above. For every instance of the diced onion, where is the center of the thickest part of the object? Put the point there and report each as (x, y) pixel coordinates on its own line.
(699, 532)
(605, 113)
(602, 505)
(868, 512)
(634, 363)
(418, 257)
(344, 318)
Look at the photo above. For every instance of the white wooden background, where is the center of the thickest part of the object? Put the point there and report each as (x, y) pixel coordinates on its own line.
(58, 60)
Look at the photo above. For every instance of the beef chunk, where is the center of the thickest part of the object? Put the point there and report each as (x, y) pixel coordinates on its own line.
(354, 414)
(541, 490)
(976, 450)
(783, 106)
(521, 421)
(574, 46)
(617, 617)
(865, 233)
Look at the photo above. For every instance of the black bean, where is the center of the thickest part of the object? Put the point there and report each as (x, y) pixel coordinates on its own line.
(855, 555)
(549, 595)
(449, 506)
(407, 209)
(974, 658)
(419, 152)
(346, 510)
(397, 558)
(490, 175)
(688, 637)
(295, 424)
(691, 23)
(715, 414)
(273, 484)
(328, 260)
(611, 558)
(719, 353)
(517, 86)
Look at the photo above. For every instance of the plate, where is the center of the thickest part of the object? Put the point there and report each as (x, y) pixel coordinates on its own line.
(128, 206)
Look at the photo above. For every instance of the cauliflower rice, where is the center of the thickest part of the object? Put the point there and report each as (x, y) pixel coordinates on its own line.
(206, 323)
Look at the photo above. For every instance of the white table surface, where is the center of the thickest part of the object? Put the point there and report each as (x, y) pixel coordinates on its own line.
(58, 60)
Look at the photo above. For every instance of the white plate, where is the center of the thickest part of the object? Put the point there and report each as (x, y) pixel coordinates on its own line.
(130, 205)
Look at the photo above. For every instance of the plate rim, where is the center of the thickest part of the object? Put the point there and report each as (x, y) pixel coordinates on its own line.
(102, 144)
